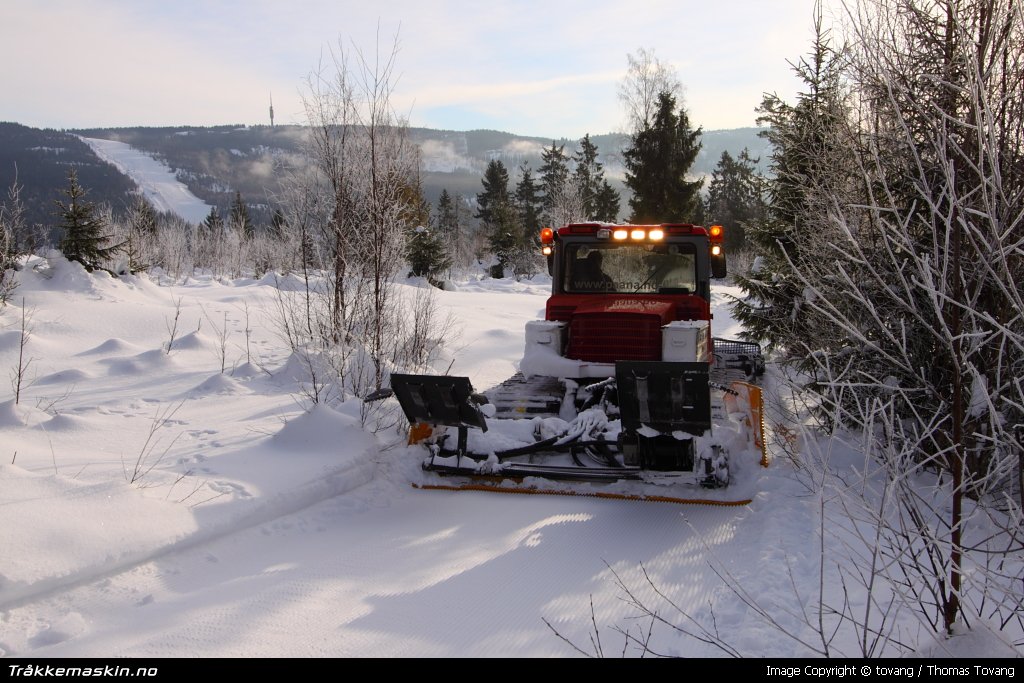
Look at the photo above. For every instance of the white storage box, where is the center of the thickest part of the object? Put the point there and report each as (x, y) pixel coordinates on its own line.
(686, 341)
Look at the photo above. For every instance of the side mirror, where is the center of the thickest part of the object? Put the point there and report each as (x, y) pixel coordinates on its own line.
(718, 270)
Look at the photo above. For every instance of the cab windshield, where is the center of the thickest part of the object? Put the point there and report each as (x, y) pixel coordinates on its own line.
(631, 268)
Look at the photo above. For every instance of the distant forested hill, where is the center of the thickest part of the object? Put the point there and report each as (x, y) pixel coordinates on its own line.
(215, 162)
(40, 161)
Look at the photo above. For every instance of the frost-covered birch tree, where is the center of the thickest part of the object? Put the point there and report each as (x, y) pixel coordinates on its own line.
(354, 198)
(911, 307)
(13, 231)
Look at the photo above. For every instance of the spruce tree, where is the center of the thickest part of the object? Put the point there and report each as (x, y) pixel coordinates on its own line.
(445, 217)
(213, 223)
(426, 253)
(528, 207)
(735, 197)
(240, 220)
(495, 190)
(84, 239)
(414, 207)
(498, 216)
(528, 202)
(803, 137)
(600, 200)
(588, 175)
(504, 236)
(657, 161)
(606, 204)
(425, 248)
(554, 177)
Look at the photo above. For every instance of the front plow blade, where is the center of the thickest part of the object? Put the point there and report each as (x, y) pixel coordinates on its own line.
(438, 400)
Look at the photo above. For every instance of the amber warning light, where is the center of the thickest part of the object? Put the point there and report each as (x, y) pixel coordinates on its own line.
(547, 236)
(715, 231)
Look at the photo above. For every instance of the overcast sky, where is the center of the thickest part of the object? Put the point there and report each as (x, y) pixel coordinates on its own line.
(532, 67)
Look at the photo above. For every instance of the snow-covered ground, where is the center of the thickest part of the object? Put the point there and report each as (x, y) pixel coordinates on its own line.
(188, 501)
(154, 504)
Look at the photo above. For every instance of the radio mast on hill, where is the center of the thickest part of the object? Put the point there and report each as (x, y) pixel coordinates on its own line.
(271, 110)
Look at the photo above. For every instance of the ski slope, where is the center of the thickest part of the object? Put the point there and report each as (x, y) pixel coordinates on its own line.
(158, 183)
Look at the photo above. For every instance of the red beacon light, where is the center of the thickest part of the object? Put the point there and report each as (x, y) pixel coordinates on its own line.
(547, 236)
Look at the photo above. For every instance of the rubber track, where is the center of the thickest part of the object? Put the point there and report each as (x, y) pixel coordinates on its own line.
(594, 494)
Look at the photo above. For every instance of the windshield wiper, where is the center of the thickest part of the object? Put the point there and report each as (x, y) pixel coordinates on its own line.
(649, 278)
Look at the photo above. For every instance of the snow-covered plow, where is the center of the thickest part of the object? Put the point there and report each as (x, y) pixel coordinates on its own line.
(665, 438)
(620, 385)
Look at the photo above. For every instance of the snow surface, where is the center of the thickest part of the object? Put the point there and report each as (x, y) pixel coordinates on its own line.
(154, 506)
(157, 182)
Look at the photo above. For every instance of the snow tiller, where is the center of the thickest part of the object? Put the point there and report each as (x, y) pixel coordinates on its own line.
(621, 382)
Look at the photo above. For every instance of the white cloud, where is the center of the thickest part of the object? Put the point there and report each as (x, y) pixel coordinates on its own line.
(485, 92)
(99, 67)
(533, 67)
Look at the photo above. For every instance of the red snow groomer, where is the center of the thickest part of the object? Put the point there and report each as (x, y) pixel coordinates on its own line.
(621, 381)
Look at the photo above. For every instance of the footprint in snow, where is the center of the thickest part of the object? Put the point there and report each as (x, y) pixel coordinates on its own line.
(229, 487)
(65, 628)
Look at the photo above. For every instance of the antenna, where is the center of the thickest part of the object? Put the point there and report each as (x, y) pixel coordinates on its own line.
(271, 110)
